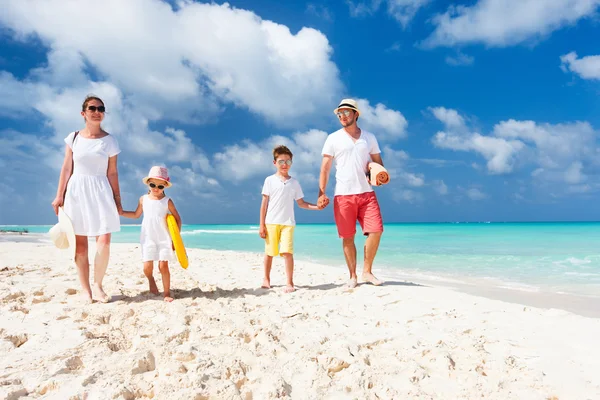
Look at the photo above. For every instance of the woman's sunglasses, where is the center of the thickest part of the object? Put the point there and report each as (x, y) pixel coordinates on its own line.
(153, 185)
(100, 109)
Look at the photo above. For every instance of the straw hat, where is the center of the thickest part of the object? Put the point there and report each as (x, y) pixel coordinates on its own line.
(63, 234)
(158, 173)
(348, 103)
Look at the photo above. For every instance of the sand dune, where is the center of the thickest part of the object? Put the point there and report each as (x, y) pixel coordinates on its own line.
(224, 338)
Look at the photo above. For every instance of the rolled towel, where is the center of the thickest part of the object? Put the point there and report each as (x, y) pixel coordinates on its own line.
(378, 175)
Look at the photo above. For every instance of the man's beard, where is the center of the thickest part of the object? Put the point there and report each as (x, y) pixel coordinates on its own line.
(348, 123)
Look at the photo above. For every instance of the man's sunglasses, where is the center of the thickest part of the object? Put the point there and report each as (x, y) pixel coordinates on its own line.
(343, 112)
(100, 109)
(153, 185)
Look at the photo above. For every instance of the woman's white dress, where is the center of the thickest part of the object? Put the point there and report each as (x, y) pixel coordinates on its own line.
(155, 238)
(89, 200)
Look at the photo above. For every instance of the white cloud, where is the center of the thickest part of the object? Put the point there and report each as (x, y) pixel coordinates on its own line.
(556, 146)
(408, 195)
(475, 194)
(249, 159)
(559, 152)
(587, 67)
(499, 153)
(405, 10)
(496, 23)
(319, 11)
(460, 59)
(402, 11)
(186, 63)
(449, 117)
(440, 187)
(385, 123)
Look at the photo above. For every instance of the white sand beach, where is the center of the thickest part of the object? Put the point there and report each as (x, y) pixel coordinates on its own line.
(225, 338)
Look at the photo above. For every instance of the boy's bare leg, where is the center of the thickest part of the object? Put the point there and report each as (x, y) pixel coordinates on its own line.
(350, 255)
(268, 262)
(163, 267)
(148, 269)
(289, 272)
(83, 266)
(371, 246)
(100, 265)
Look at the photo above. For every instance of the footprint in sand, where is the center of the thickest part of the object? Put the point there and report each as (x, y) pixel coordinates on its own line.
(20, 309)
(17, 340)
(70, 291)
(40, 299)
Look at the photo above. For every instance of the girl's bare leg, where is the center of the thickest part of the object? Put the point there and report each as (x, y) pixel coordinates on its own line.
(148, 271)
(163, 266)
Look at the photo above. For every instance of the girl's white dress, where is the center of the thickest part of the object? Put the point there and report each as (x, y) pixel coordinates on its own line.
(89, 200)
(155, 238)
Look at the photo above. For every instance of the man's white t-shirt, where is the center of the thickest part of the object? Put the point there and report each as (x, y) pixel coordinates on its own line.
(351, 160)
(282, 195)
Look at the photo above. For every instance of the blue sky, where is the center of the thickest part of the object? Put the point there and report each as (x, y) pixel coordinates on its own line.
(483, 112)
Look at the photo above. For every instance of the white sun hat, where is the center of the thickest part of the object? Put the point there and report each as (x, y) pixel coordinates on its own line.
(347, 103)
(63, 234)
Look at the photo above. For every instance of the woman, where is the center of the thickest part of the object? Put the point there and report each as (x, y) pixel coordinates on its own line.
(92, 199)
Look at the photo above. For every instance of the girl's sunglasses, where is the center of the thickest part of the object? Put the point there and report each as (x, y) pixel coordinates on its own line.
(152, 185)
(100, 109)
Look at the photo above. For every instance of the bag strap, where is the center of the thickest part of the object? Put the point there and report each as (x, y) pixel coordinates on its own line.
(73, 145)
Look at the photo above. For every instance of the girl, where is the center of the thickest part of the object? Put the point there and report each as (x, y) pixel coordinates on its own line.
(155, 238)
(88, 188)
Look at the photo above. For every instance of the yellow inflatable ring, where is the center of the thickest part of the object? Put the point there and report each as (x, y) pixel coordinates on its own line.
(177, 241)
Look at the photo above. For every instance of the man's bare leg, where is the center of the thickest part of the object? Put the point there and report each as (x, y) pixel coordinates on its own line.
(289, 272)
(268, 262)
(371, 246)
(83, 266)
(350, 255)
(100, 265)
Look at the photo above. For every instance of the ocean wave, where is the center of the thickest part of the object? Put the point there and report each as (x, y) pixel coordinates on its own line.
(221, 232)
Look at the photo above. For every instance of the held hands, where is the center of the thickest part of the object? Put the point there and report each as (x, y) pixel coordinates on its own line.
(262, 231)
(58, 202)
(323, 201)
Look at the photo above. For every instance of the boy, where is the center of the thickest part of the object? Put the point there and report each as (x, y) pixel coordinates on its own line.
(277, 215)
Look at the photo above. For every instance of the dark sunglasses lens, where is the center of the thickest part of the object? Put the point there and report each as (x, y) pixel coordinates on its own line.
(161, 187)
(99, 109)
(152, 185)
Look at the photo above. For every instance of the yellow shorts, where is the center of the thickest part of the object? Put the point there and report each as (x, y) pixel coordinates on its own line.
(280, 239)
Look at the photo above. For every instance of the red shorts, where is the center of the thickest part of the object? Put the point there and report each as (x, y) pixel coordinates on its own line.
(347, 209)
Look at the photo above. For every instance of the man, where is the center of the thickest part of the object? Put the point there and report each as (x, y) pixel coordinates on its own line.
(354, 199)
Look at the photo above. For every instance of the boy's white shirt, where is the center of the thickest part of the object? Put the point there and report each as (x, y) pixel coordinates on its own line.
(282, 195)
(351, 160)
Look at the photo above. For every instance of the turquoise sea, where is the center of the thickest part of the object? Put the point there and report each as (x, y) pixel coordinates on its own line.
(561, 257)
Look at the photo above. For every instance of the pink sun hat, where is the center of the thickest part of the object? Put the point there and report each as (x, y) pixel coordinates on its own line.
(158, 173)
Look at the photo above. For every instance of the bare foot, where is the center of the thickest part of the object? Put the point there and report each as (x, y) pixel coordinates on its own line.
(352, 283)
(370, 278)
(289, 289)
(266, 284)
(99, 294)
(153, 287)
(168, 298)
(86, 297)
